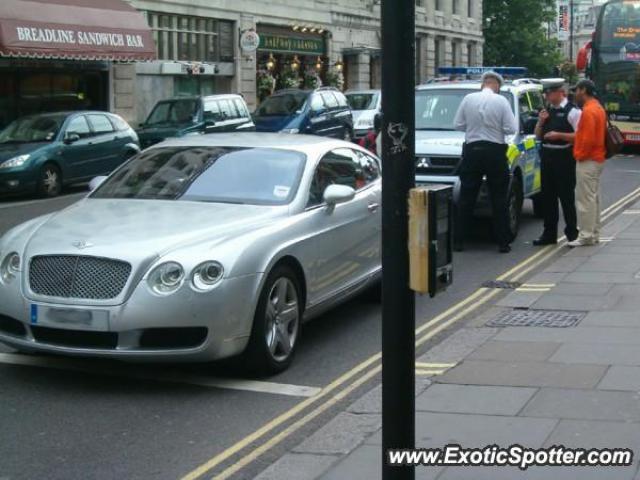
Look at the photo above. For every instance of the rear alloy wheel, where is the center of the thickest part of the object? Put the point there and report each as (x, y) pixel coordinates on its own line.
(276, 324)
(50, 181)
(515, 207)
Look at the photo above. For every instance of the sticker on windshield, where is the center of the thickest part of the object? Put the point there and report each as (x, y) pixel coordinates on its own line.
(280, 191)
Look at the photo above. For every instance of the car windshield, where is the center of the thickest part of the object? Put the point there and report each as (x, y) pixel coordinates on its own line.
(282, 104)
(174, 112)
(436, 108)
(256, 176)
(43, 128)
(362, 101)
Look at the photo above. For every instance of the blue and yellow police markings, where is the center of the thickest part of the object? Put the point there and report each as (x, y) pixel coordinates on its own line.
(526, 154)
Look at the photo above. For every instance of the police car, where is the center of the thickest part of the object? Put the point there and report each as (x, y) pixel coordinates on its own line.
(439, 145)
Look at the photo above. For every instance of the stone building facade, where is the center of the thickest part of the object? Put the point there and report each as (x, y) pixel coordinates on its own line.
(329, 35)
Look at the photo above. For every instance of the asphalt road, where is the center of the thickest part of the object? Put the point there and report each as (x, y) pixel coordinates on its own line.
(106, 420)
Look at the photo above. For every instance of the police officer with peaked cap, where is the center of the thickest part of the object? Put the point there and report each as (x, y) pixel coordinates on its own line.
(556, 129)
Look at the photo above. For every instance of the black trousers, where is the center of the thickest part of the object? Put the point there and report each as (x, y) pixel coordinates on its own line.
(490, 160)
(559, 183)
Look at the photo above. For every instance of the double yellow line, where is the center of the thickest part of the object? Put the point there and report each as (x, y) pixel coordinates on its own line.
(351, 380)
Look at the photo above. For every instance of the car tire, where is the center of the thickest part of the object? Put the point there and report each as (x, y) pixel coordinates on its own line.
(276, 324)
(49, 181)
(514, 205)
(538, 206)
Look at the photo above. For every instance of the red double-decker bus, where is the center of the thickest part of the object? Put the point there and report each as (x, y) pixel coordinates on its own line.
(612, 61)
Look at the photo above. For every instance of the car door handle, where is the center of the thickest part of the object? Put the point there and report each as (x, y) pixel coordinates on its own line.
(373, 207)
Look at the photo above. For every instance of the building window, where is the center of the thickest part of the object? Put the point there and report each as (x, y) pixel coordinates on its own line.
(455, 52)
(439, 44)
(470, 12)
(456, 7)
(439, 5)
(186, 38)
(473, 55)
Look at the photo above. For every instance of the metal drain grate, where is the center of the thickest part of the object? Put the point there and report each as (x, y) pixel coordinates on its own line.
(501, 284)
(537, 318)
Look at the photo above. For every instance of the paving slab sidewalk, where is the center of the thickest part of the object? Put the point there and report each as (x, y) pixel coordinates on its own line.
(536, 386)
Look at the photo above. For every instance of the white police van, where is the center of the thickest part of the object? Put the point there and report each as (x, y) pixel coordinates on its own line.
(439, 145)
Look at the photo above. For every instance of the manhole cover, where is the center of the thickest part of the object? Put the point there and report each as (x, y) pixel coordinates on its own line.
(501, 284)
(537, 318)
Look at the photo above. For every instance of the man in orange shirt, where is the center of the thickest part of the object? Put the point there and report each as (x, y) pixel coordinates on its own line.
(590, 153)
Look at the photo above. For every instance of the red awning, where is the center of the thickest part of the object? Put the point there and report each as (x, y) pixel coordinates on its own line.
(74, 29)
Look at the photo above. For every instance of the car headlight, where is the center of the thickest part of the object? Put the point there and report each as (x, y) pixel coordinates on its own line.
(15, 161)
(10, 267)
(166, 278)
(290, 130)
(207, 275)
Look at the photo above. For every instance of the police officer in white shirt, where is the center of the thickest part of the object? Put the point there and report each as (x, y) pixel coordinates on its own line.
(485, 117)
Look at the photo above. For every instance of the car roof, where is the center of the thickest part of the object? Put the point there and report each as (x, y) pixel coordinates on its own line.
(296, 142)
(476, 85)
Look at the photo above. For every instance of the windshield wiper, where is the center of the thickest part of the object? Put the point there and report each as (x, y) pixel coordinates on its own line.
(13, 141)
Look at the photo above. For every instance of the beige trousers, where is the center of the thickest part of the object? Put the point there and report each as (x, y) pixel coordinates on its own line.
(588, 199)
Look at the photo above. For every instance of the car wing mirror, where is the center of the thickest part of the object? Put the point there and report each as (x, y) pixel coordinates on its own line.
(96, 182)
(335, 194)
(70, 138)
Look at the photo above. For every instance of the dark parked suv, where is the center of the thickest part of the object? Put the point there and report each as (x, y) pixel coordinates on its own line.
(187, 115)
(324, 111)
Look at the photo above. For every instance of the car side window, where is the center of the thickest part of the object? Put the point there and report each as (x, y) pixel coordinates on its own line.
(316, 103)
(341, 166)
(523, 104)
(211, 111)
(342, 100)
(242, 109)
(329, 100)
(100, 124)
(370, 168)
(227, 109)
(537, 102)
(119, 122)
(79, 126)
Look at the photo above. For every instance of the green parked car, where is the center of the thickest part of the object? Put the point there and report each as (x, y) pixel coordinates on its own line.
(182, 116)
(42, 153)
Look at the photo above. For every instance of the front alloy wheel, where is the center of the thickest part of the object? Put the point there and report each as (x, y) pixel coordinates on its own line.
(276, 325)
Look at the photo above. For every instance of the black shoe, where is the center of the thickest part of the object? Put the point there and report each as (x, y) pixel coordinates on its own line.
(543, 240)
(504, 248)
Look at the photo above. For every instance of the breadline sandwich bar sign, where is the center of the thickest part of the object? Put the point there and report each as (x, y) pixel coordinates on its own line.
(20, 38)
(79, 37)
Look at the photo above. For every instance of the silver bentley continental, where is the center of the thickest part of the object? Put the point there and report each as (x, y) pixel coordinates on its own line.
(198, 249)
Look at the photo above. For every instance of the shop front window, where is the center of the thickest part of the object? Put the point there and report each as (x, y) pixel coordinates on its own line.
(187, 38)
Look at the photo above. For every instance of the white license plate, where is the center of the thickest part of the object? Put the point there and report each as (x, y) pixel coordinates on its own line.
(70, 318)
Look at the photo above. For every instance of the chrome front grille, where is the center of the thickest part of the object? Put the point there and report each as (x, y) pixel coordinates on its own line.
(77, 276)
